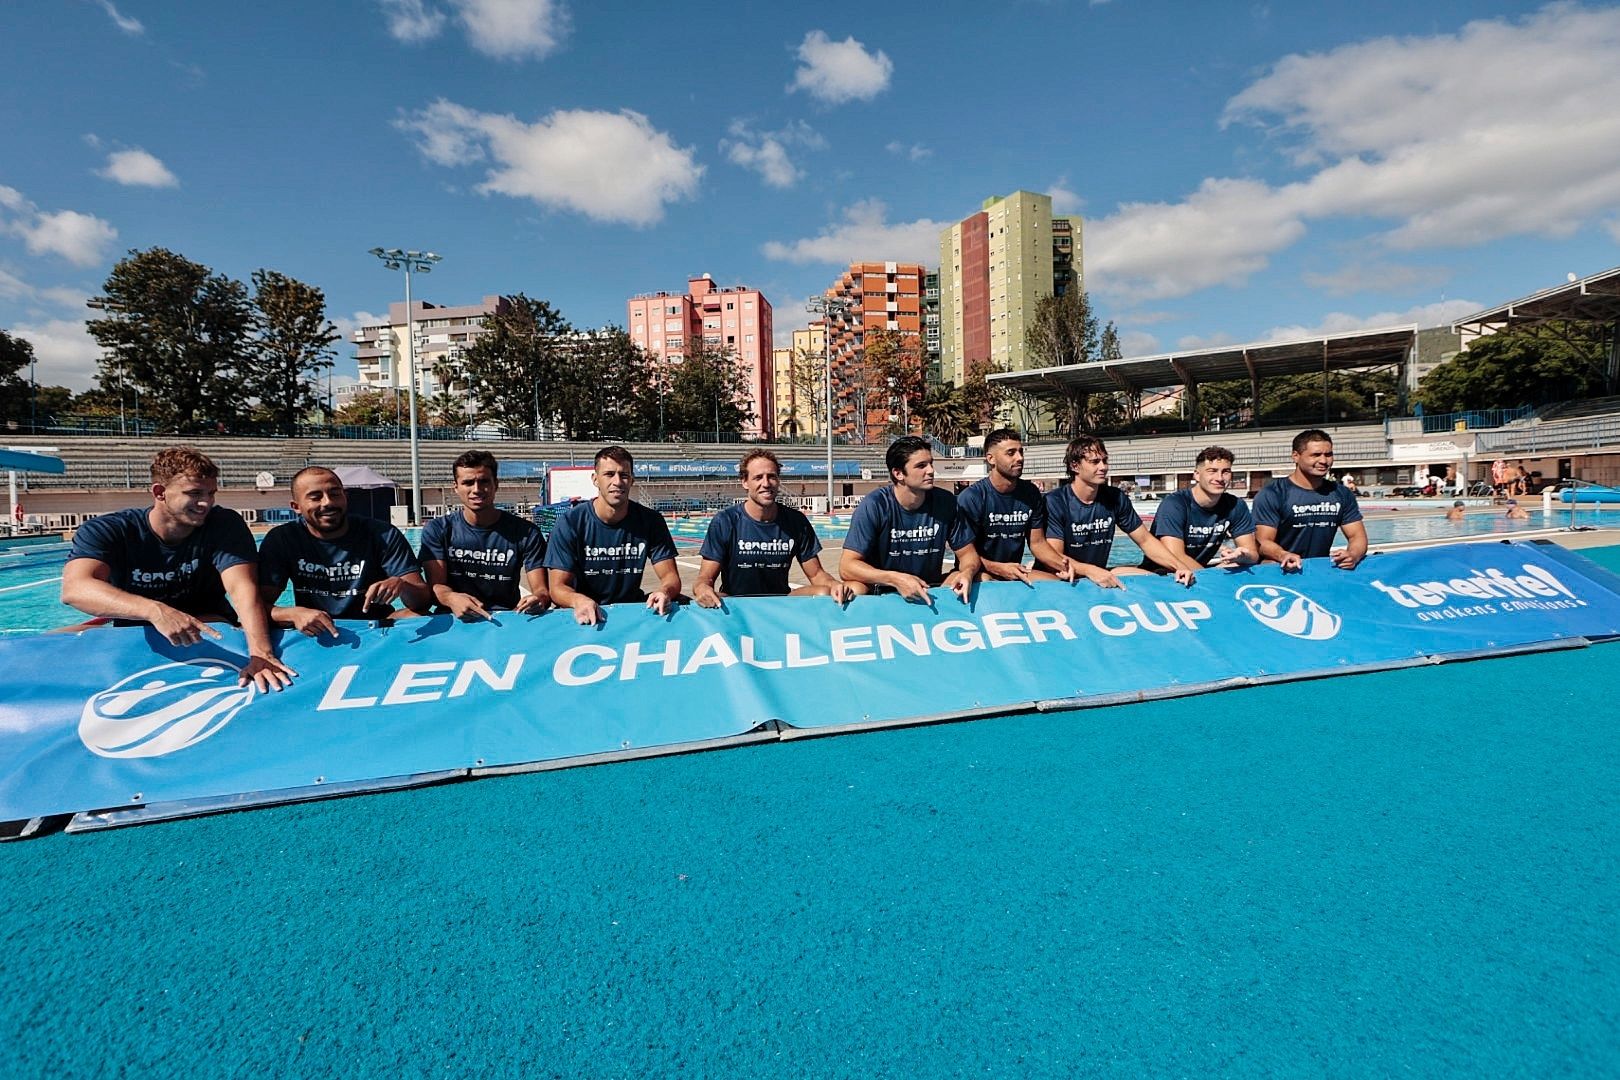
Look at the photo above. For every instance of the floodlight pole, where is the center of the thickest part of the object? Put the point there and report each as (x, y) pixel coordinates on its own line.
(829, 307)
(420, 262)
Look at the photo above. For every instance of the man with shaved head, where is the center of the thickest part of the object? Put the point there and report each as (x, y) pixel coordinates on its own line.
(340, 567)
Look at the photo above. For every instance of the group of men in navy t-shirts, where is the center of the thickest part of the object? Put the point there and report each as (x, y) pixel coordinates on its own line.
(185, 561)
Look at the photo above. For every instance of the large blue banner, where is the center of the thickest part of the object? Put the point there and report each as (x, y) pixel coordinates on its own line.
(118, 718)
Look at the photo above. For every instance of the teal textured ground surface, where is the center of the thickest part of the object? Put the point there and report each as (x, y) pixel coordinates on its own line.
(1409, 873)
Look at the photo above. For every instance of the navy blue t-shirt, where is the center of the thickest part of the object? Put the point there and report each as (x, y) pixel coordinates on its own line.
(607, 561)
(1202, 531)
(485, 563)
(1000, 524)
(755, 556)
(1306, 519)
(914, 542)
(185, 576)
(1086, 530)
(332, 575)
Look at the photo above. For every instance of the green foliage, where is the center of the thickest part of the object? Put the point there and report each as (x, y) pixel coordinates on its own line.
(292, 349)
(15, 353)
(707, 391)
(892, 374)
(179, 331)
(1063, 332)
(379, 408)
(516, 368)
(1557, 362)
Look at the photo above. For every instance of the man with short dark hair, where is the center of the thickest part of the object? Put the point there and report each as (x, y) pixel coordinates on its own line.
(1206, 522)
(600, 549)
(171, 565)
(900, 532)
(751, 546)
(1296, 516)
(1083, 515)
(1003, 513)
(475, 557)
(341, 567)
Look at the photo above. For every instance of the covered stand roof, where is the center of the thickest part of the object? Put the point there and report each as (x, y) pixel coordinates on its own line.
(1333, 352)
(1588, 299)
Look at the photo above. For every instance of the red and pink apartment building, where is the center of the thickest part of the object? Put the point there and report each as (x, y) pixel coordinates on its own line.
(734, 318)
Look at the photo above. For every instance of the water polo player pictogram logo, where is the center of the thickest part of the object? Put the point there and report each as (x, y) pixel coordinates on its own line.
(1288, 612)
(163, 709)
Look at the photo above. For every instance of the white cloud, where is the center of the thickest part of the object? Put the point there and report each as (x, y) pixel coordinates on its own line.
(1441, 313)
(1138, 343)
(81, 239)
(1613, 228)
(910, 151)
(1359, 277)
(1504, 128)
(13, 287)
(1147, 318)
(137, 168)
(837, 72)
(412, 21)
(1219, 235)
(504, 29)
(864, 235)
(513, 29)
(123, 22)
(766, 152)
(66, 352)
(1064, 199)
(1194, 342)
(608, 166)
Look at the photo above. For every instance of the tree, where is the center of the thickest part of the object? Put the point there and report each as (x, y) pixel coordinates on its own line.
(516, 368)
(1064, 332)
(15, 355)
(892, 365)
(1555, 362)
(292, 349)
(708, 391)
(944, 412)
(379, 408)
(612, 392)
(176, 332)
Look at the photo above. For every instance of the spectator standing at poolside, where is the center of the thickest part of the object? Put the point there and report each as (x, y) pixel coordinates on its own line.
(600, 549)
(474, 558)
(1083, 515)
(173, 564)
(1297, 516)
(1003, 514)
(1206, 522)
(751, 546)
(900, 533)
(341, 567)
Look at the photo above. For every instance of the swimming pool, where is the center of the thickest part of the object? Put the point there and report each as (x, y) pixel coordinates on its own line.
(30, 579)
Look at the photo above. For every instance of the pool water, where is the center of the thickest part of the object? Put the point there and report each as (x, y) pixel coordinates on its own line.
(30, 576)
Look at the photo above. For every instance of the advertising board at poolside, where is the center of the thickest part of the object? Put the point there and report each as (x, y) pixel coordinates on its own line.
(118, 718)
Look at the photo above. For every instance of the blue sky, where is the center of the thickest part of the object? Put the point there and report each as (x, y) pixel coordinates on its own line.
(1245, 170)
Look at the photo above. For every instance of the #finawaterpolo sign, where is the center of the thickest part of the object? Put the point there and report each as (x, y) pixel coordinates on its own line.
(115, 718)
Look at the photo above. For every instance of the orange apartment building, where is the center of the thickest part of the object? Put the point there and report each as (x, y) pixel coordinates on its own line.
(880, 296)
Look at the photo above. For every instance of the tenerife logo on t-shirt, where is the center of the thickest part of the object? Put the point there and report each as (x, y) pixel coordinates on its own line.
(331, 570)
(158, 577)
(615, 551)
(483, 555)
(1330, 506)
(163, 709)
(1016, 517)
(1288, 612)
(920, 532)
(752, 547)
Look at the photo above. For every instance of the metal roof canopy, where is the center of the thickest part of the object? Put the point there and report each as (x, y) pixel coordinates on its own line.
(1588, 299)
(1306, 356)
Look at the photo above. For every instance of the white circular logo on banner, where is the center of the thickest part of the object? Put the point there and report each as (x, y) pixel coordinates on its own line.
(1288, 612)
(163, 709)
